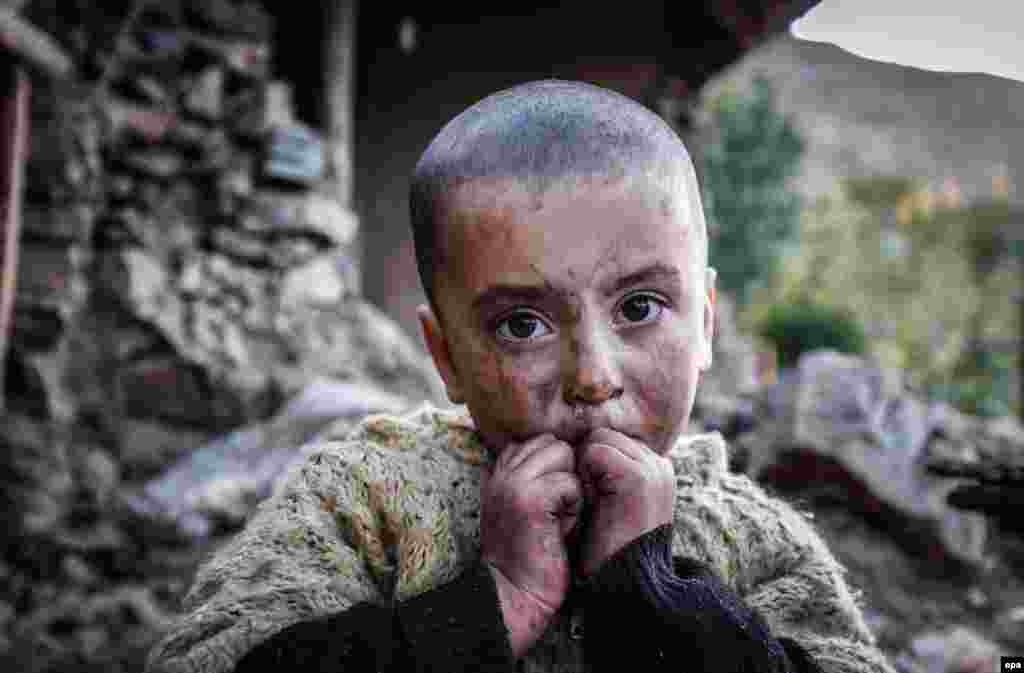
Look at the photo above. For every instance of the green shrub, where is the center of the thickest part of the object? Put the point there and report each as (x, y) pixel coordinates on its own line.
(751, 208)
(795, 329)
(980, 384)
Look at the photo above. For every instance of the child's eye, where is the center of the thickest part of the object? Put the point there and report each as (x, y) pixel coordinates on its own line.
(641, 308)
(521, 327)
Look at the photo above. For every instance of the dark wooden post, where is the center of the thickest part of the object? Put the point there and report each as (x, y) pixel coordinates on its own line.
(14, 93)
(339, 56)
(21, 46)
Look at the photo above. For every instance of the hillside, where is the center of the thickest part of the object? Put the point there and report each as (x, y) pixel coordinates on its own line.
(862, 117)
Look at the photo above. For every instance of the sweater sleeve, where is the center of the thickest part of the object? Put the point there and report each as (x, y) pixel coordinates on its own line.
(682, 616)
(353, 522)
(771, 556)
(456, 627)
(810, 604)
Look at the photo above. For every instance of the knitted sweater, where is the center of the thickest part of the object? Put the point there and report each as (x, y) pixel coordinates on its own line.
(392, 510)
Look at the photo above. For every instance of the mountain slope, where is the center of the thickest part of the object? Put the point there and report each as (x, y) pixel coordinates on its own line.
(862, 117)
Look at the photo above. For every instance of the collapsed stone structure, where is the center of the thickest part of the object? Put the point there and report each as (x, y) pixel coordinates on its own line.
(187, 262)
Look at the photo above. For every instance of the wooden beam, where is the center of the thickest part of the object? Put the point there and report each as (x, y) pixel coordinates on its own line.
(14, 93)
(31, 45)
(339, 63)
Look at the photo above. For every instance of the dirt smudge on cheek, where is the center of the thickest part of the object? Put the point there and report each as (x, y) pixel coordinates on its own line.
(498, 403)
(545, 391)
(664, 393)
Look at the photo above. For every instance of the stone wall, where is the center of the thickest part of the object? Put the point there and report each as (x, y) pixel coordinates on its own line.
(185, 267)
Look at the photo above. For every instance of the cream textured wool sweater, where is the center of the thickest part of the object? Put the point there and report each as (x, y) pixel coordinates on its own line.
(392, 510)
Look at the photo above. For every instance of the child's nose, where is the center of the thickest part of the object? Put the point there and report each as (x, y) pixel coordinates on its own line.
(590, 369)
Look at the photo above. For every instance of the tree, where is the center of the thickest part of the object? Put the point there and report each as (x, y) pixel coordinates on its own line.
(751, 212)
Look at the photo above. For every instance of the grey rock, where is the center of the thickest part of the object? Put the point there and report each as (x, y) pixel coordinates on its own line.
(142, 284)
(104, 536)
(206, 97)
(156, 163)
(354, 340)
(836, 407)
(247, 58)
(328, 217)
(317, 284)
(37, 473)
(147, 447)
(236, 181)
(146, 224)
(190, 281)
(151, 90)
(1001, 440)
(313, 214)
(241, 245)
(219, 484)
(287, 253)
(263, 108)
(251, 59)
(1009, 625)
(278, 108)
(78, 571)
(99, 474)
(120, 185)
(315, 332)
(132, 121)
(956, 650)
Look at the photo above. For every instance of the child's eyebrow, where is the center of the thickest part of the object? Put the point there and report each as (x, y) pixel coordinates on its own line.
(508, 293)
(657, 272)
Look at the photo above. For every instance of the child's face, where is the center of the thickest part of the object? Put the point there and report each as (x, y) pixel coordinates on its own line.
(542, 318)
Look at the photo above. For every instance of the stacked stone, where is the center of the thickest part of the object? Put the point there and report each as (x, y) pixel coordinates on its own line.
(986, 458)
(184, 269)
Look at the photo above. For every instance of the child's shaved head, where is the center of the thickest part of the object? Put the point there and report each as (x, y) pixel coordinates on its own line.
(543, 134)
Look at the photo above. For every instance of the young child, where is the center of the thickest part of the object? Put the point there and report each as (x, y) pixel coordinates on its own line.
(566, 523)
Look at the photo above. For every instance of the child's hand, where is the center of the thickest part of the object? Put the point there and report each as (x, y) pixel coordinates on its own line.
(529, 503)
(631, 490)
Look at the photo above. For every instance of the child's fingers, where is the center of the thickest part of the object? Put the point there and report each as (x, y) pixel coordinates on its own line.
(564, 493)
(516, 453)
(598, 461)
(623, 443)
(554, 456)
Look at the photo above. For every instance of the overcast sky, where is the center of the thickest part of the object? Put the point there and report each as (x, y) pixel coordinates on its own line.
(961, 36)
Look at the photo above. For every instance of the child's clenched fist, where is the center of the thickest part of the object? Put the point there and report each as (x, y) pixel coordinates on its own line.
(630, 490)
(529, 503)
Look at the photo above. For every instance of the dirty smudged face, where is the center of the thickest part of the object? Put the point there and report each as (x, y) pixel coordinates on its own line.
(582, 308)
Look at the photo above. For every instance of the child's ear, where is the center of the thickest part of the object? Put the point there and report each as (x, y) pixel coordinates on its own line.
(437, 344)
(710, 276)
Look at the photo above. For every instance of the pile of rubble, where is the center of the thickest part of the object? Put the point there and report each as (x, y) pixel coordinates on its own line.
(920, 502)
(185, 267)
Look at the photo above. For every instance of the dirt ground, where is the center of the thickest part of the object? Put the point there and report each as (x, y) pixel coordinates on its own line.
(905, 597)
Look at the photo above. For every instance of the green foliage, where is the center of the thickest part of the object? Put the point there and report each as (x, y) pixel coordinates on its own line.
(933, 282)
(878, 191)
(980, 384)
(797, 328)
(988, 234)
(751, 213)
